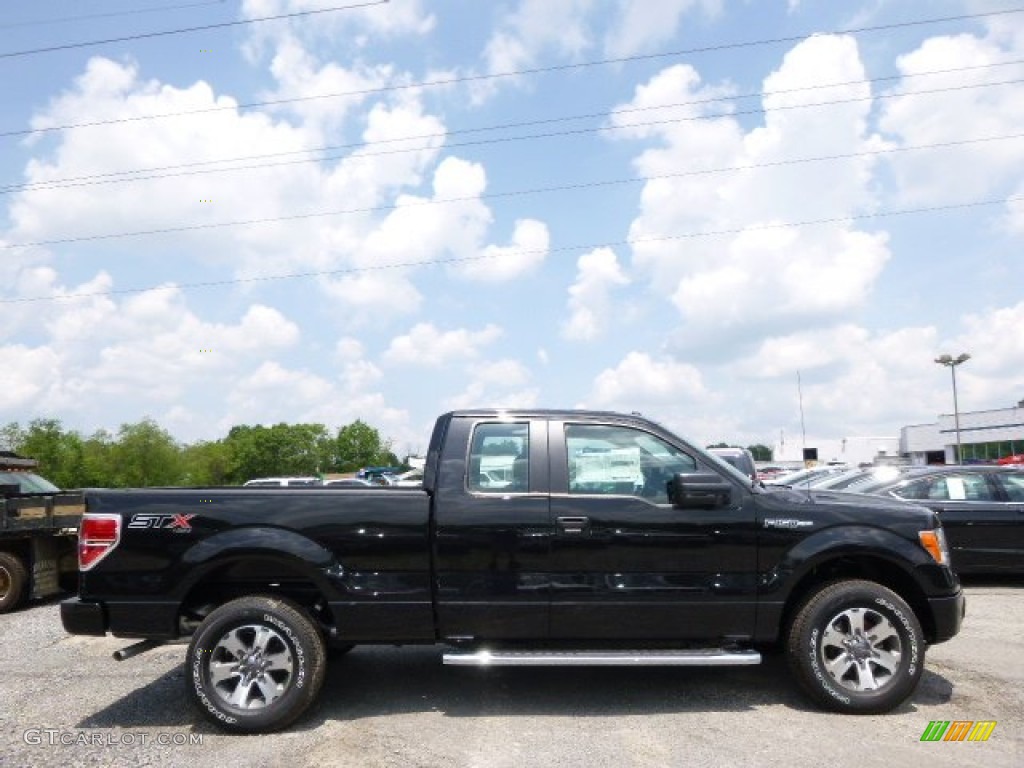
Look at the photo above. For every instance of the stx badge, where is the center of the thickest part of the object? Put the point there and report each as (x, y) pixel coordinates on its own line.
(150, 521)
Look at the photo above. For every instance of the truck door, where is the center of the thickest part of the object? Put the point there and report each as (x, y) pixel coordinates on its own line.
(493, 530)
(626, 564)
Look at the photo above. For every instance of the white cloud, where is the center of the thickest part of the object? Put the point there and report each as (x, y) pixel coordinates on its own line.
(764, 268)
(995, 372)
(354, 26)
(275, 393)
(642, 26)
(527, 251)
(597, 274)
(429, 346)
(144, 351)
(498, 384)
(960, 110)
(537, 27)
(30, 375)
(641, 381)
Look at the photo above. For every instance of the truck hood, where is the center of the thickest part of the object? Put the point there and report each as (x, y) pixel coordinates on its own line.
(836, 507)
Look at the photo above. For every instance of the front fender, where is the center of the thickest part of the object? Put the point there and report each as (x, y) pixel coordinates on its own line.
(849, 542)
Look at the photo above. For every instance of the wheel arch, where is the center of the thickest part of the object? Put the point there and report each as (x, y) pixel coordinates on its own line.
(849, 566)
(255, 572)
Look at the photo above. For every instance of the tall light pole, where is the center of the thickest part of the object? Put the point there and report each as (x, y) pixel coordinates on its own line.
(952, 362)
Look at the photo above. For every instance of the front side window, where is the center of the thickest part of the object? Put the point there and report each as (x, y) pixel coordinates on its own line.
(958, 487)
(499, 458)
(622, 461)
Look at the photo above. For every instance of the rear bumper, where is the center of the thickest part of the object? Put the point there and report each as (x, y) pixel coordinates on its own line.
(947, 615)
(83, 618)
(134, 619)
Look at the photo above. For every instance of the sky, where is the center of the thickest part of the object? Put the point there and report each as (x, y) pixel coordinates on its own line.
(387, 211)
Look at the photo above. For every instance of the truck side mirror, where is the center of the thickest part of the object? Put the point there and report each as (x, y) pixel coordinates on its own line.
(699, 490)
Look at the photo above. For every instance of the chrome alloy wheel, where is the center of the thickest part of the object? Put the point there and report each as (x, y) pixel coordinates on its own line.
(861, 649)
(251, 667)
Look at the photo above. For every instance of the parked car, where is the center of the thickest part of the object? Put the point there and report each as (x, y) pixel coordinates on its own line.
(859, 480)
(411, 479)
(348, 482)
(982, 511)
(282, 482)
(741, 458)
(804, 477)
(770, 472)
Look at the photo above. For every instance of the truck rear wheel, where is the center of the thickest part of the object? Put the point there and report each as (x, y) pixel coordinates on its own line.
(255, 664)
(13, 580)
(856, 647)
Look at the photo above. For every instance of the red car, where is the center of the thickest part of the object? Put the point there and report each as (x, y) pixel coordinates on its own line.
(1017, 458)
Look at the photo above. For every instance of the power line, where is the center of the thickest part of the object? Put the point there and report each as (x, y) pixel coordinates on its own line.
(155, 173)
(184, 30)
(446, 201)
(521, 252)
(510, 73)
(110, 14)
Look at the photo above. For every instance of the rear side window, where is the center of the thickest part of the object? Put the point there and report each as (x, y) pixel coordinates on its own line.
(1014, 486)
(499, 458)
(965, 487)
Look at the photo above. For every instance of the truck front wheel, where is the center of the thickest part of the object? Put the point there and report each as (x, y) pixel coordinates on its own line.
(857, 647)
(13, 580)
(255, 664)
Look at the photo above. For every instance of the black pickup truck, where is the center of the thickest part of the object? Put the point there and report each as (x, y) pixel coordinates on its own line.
(538, 538)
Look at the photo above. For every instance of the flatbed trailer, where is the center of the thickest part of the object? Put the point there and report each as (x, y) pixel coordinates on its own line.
(38, 538)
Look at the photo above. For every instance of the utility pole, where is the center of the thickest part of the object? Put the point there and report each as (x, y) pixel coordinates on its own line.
(952, 362)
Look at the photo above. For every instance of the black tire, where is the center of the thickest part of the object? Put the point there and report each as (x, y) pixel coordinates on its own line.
(856, 647)
(13, 580)
(255, 664)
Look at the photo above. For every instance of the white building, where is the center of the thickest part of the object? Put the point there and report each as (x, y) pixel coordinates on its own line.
(844, 450)
(984, 435)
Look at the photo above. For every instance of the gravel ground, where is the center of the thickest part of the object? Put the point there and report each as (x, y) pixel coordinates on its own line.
(64, 701)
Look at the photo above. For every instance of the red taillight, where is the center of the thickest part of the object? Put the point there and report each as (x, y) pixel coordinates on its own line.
(97, 537)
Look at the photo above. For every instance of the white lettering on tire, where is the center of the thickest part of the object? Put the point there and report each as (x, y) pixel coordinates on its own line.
(816, 667)
(909, 629)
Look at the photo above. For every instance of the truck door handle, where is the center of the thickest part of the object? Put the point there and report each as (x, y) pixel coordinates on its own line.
(573, 525)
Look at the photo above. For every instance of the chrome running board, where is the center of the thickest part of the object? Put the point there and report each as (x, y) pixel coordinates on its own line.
(702, 657)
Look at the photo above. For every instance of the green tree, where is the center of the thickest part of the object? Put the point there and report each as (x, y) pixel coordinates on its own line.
(58, 452)
(760, 452)
(283, 449)
(11, 437)
(207, 463)
(145, 455)
(98, 461)
(360, 445)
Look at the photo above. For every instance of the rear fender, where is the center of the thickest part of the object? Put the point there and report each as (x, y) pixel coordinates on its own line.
(263, 544)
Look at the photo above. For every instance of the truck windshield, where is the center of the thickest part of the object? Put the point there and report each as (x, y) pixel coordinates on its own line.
(28, 482)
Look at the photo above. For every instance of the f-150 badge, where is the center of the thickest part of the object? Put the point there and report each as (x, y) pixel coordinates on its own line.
(149, 521)
(786, 522)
